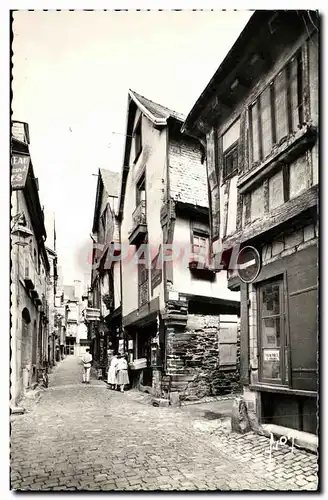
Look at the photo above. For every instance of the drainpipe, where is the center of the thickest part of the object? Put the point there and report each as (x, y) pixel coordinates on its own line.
(121, 279)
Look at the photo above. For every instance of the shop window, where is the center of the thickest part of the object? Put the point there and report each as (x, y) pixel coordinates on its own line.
(273, 347)
(278, 111)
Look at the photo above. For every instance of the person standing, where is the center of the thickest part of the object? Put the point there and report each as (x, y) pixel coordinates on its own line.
(122, 372)
(110, 354)
(86, 360)
(111, 377)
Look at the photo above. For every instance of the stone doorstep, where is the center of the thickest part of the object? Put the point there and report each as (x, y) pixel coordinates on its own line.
(303, 440)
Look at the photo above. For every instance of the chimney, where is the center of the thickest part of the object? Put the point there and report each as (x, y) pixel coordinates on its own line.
(77, 290)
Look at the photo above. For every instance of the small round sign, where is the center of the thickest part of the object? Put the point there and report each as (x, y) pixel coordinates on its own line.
(248, 264)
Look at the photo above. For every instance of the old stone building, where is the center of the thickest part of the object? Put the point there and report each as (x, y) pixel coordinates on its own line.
(105, 290)
(29, 270)
(178, 316)
(53, 326)
(259, 119)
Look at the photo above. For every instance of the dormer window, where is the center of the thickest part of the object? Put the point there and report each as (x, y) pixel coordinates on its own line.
(137, 141)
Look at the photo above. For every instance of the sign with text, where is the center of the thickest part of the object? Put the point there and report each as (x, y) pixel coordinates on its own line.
(271, 355)
(19, 170)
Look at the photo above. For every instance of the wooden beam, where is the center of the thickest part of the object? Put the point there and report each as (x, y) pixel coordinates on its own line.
(286, 153)
(279, 215)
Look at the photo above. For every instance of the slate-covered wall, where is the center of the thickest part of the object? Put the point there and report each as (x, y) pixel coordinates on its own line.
(193, 359)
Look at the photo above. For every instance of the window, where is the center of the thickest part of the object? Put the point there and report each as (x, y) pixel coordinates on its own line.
(141, 190)
(230, 161)
(143, 281)
(278, 111)
(230, 150)
(273, 347)
(200, 243)
(137, 141)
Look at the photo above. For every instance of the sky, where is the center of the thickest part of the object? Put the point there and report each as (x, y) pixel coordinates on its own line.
(71, 75)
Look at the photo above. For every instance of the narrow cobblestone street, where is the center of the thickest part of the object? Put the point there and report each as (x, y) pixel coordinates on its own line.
(79, 437)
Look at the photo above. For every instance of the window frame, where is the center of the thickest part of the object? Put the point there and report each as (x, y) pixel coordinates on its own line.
(256, 102)
(140, 187)
(285, 371)
(143, 275)
(228, 152)
(197, 233)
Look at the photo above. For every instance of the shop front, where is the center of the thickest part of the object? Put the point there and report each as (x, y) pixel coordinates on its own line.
(282, 325)
(143, 343)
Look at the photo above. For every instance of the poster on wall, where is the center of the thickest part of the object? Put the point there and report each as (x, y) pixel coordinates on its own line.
(271, 355)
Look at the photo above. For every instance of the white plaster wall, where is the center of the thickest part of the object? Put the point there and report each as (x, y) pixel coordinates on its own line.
(153, 159)
(182, 277)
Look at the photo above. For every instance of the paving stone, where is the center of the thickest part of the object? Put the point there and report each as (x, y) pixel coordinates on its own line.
(91, 439)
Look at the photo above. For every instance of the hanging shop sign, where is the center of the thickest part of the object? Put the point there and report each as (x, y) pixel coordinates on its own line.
(248, 264)
(19, 170)
(92, 314)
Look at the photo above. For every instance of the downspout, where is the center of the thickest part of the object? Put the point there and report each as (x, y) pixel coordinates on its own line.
(168, 195)
(121, 279)
(167, 204)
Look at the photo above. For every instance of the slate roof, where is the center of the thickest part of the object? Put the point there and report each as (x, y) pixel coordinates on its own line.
(157, 110)
(111, 182)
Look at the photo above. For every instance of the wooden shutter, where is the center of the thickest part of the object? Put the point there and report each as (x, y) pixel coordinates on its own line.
(281, 114)
(214, 186)
(302, 278)
(266, 121)
(294, 98)
(255, 133)
(228, 344)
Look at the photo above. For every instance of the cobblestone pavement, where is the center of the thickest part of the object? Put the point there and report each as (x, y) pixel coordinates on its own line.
(86, 437)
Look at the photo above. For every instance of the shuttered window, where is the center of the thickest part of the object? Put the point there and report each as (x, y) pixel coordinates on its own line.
(278, 111)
